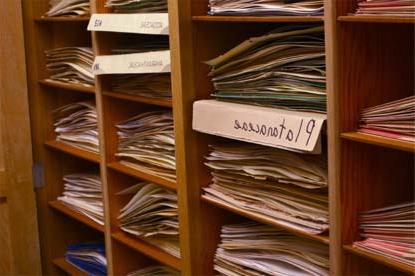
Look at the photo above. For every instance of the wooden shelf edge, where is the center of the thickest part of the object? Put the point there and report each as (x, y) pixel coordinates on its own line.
(67, 86)
(265, 220)
(376, 19)
(66, 148)
(139, 99)
(379, 141)
(225, 18)
(117, 166)
(63, 19)
(147, 249)
(379, 259)
(61, 207)
(68, 267)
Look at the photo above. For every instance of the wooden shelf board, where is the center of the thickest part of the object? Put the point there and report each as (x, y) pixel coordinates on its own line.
(68, 86)
(265, 220)
(147, 249)
(66, 148)
(63, 19)
(117, 166)
(379, 141)
(140, 99)
(68, 267)
(61, 207)
(380, 259)
(376, 19)
(224, 18)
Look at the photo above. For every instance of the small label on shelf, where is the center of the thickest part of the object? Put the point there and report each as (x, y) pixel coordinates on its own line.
(292, 130)
(140, 63)
(147, 23)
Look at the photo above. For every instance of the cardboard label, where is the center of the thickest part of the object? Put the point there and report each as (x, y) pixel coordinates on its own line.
(149, 23)
(298, 131)
(141, 63)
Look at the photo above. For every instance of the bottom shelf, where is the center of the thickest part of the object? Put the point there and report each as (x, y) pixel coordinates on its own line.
(380, 259)
(147, 249)
(68, 267)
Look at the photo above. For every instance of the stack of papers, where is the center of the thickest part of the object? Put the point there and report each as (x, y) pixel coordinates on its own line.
(146, 142)
(155, 270)
(76, 124)
(140, 44)
(83, 193)
(256, 249)
(137, 6)
(146, 85)
(392, 120)
(389, 232)
(287, 187)
(68, 8)
(71, 64)
(284, 68)
(152, 214)
(386, 7)
(88, 257)
(266, 7)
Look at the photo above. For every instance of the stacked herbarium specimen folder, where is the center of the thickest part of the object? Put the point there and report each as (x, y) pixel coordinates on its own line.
(146, 142)
(152, 215)
(71, 65)
(137, 6)
(76, 124)
(386, 8)
(389, 232)
(250, 248)
(68, 8)
(155, 270)
(284, 68)
(266, 7)
(88, 257)
(83, 193)
(286, 187)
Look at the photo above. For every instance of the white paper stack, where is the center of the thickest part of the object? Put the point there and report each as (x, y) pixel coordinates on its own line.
(146, 85)
(137, 6)
(68, 8)
(266, 7)
(71, 64)
(155, 270)
(287, 187)
(389, 232)
(152, 214)
(255, 249)
(83, 193)
(146, 142)
(76, 124)
(284, 68)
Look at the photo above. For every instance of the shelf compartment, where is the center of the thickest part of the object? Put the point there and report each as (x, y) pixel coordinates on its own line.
(57, 205)
(147, 249)
(67, 86)
(376, 19)
(380, 259)
(282, 19)
(117, 166)
(63, 19)
(266, 220)
(68, 267)
(379, 141)
(66, 148)
(140, 99)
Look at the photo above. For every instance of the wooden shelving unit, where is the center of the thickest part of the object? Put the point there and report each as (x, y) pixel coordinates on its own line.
(68, 267)
(366, 63)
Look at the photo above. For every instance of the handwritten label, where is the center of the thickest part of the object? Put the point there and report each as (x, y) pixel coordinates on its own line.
(151, 23)
(261, 125)
(140, 63)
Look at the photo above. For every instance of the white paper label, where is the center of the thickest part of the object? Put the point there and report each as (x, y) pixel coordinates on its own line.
(141, 63)
(148, 23)
(280, 128)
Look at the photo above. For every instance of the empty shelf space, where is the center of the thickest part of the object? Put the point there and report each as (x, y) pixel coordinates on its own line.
(68, 267)
(139, 99)
(66, 148)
